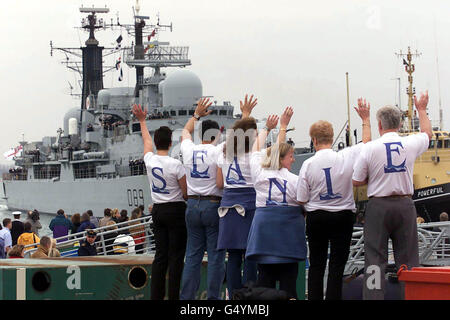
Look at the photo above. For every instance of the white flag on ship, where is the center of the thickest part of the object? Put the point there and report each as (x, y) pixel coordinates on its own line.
(13, 152)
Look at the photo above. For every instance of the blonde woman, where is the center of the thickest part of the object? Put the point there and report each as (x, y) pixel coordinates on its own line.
(276, 239)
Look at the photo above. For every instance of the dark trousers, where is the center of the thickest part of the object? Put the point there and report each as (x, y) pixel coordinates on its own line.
(325, 229)
(169, 229)
(385, 218)
(235, 278)
(285, 273)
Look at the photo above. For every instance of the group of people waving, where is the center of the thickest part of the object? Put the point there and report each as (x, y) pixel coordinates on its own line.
(240, 198)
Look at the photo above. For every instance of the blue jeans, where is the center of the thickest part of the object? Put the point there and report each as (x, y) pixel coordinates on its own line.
(202, 223)
(236, 279)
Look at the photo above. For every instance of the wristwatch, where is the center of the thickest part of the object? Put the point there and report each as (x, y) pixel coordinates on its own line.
(196, 116)
(267, 128)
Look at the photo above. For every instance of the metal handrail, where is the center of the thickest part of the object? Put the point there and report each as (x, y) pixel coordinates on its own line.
(434, 246)
(122, 228)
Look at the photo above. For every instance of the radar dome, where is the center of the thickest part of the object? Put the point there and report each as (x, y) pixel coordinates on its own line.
(181, 88)
(103, 97)
(72, 113)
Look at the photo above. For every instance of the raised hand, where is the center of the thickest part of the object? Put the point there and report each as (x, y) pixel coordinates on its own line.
(272, 122)
(247, 106)
(202, 107)
(421, 104)
(363, 109)
(286, 117)
(139, 113)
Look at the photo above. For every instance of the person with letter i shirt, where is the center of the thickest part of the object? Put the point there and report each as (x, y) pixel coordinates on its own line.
(386, 165)
(325, 188)
(202, 220)
(276, 239)
(167, 179)
(237, 207)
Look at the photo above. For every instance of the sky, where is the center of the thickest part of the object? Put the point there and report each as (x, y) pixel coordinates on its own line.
(285, 52)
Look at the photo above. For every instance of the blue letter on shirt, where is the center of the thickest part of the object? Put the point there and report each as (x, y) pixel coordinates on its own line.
(194, 171)
(240, 179)
(164, 183)
(329, 195)
(282, 188)
(389, 168)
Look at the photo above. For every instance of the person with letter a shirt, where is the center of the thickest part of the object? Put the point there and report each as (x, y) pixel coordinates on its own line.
(386, 165)
(167, 179)
(276, 239)
(325, 188)
(202, 219)
(237, 207)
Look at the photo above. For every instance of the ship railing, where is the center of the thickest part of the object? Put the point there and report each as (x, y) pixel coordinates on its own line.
(433, 243)
(15, 176)
(111, 240)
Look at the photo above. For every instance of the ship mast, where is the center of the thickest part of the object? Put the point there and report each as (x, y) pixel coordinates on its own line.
(410, 90)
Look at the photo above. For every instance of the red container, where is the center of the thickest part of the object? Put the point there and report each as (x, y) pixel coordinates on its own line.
(431, 283)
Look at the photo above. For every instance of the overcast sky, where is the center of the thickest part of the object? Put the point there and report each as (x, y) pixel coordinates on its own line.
(285, 52)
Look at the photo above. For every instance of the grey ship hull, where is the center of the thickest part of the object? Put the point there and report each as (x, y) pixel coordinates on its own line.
(78, 196)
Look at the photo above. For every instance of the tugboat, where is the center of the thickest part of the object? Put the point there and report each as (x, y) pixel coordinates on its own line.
(431, 175)
(95, 160)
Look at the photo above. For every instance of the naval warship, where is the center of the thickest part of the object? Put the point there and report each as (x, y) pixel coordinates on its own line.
(95, 161)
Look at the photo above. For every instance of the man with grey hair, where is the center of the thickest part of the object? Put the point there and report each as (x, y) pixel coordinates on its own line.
(386, 165)
(443, 216)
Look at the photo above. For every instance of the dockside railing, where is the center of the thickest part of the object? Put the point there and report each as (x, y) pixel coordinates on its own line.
(111, 240)
(433, 241)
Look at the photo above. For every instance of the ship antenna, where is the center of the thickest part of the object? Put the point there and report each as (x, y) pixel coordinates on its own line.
(348, 112)
(438, 78)
(411, 91)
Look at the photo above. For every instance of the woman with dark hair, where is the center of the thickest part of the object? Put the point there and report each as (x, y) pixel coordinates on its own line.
(33, 218)
(276, 239)
(237, 206)
(76, 221)
(28, 237)
(85, 223)
(138, 232)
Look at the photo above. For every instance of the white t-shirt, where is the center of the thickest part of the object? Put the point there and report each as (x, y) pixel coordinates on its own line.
(273, 187)
(200, 162)
(325, 180)
(5, 233)
(237, 172)
(389, 163)
(163, 173)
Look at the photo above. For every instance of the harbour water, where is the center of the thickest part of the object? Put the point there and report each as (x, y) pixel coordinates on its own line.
(44, 218)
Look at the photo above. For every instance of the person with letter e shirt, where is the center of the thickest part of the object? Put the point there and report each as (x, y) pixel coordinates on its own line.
(386, 165)
(202, 219)
(167, 179)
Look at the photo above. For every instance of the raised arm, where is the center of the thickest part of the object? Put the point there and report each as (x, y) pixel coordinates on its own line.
(363, 111)
(141, 114)
(271, 123)
(247, 106)
(200, 111)
(284, 122)
(424, 121)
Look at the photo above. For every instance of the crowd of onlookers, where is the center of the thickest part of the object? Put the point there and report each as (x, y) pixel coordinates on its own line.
(120, 233)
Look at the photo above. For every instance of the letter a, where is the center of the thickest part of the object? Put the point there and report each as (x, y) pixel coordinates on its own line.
(74, 281)
(374, 280)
